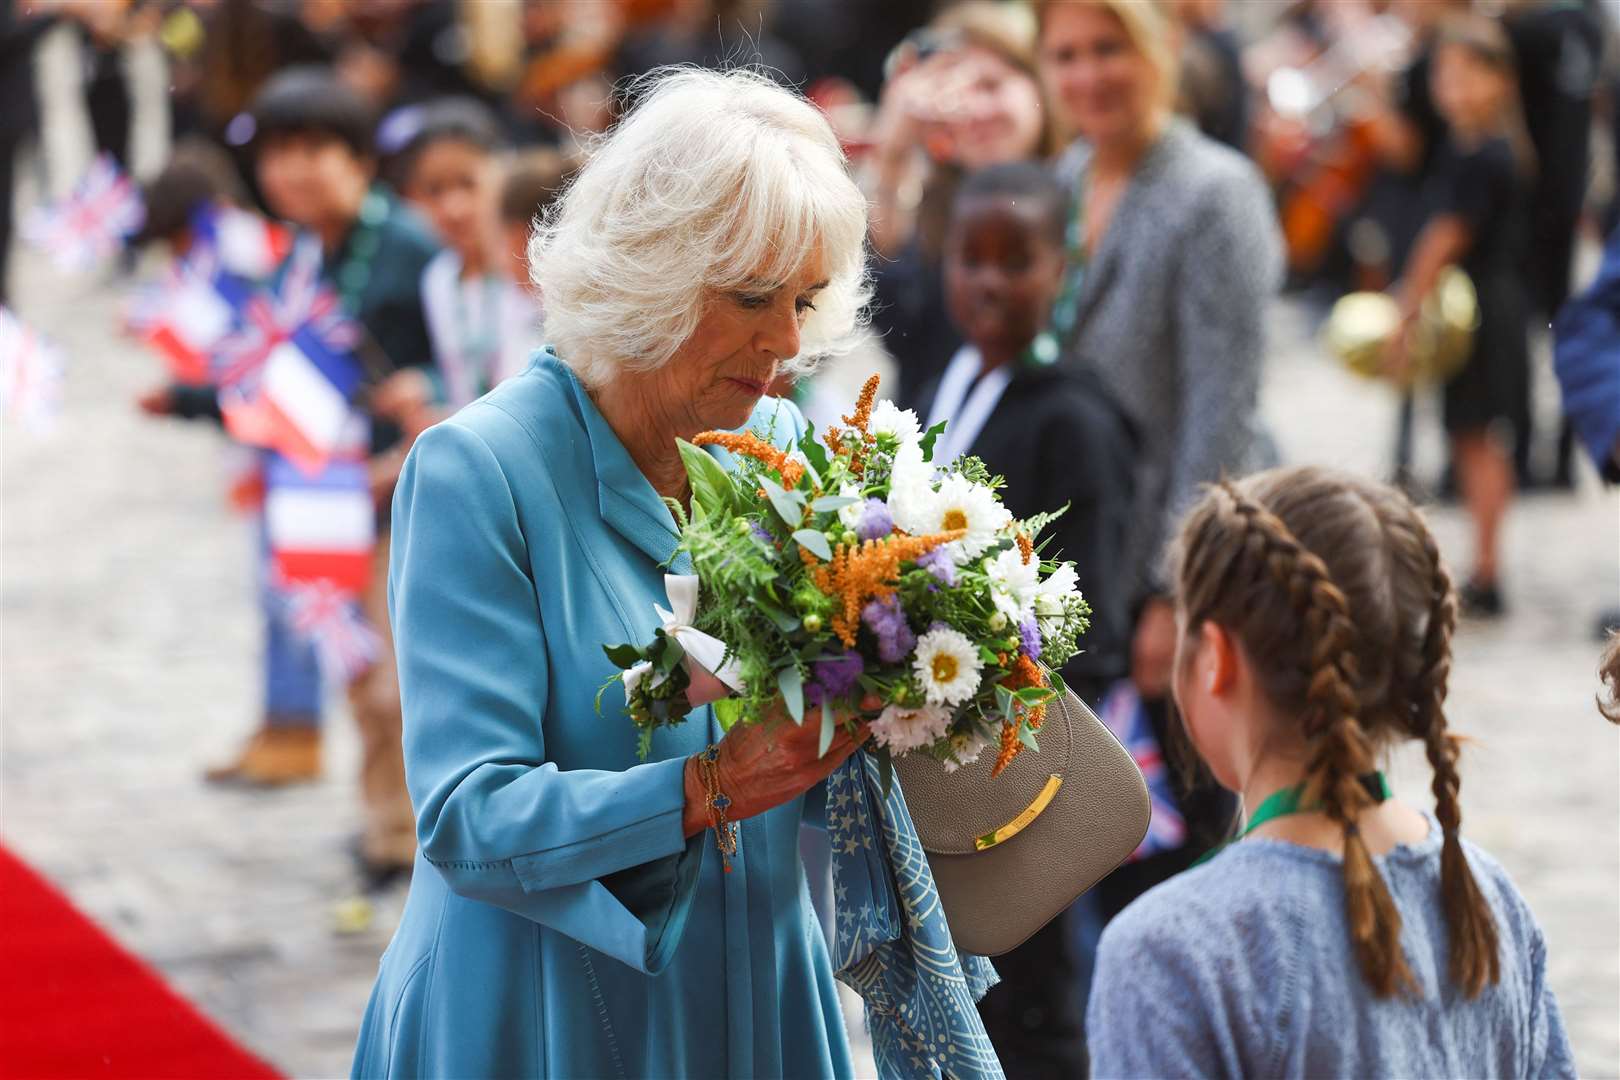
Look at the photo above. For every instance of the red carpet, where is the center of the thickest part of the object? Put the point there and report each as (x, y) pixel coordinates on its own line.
(73, 1003)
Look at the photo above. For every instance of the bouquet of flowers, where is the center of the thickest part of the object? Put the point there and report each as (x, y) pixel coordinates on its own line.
(853, 567)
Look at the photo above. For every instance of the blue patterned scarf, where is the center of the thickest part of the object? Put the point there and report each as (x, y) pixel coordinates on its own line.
(893, 945)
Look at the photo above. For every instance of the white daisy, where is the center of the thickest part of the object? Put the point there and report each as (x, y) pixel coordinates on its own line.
(1052, 594)
(948, 666)
(1014, 584)
(898, 424)
(903, 729)
(961, 504)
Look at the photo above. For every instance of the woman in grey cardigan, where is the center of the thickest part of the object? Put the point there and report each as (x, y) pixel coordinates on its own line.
(1174, 253)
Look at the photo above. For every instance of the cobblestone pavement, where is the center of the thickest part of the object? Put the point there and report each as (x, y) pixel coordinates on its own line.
(129, 661)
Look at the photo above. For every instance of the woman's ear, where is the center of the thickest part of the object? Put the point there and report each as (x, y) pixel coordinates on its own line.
(1218, 660)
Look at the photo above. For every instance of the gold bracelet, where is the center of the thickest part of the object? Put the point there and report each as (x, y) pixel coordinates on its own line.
(717, 802)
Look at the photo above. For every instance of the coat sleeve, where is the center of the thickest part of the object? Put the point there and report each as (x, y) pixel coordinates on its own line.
(599, 856)
(1586, 355)
(1230, 268)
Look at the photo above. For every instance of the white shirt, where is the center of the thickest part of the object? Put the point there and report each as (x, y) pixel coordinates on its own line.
(965, 405)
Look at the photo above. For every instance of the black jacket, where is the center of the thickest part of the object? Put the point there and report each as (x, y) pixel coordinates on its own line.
(1059, 438)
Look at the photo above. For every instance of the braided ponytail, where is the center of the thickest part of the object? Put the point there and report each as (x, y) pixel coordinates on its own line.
(1341, 750)
(1474, 959)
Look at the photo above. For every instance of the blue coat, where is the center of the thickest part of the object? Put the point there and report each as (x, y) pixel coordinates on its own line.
(1587, 358)
(559, 923)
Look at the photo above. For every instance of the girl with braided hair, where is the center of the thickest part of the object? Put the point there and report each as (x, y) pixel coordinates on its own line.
(1347, 933)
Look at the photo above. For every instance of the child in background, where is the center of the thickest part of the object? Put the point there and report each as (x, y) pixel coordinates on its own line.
(1479, 220)
(313, 156)
(1346, 933)
(286, 748)
(1059, 440)
(483, 327)
(534, 180)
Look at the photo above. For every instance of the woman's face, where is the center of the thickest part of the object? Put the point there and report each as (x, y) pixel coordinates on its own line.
(998, 115)
(454, 184)
(719, 374)
(1101, 83)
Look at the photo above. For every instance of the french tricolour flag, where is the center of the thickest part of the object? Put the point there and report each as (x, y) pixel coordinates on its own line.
(321, 526)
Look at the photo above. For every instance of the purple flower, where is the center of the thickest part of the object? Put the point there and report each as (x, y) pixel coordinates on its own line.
(1030, 636)
(834, 677)
(888, 624)
(761, 532)
(876, 522)
(938, 562)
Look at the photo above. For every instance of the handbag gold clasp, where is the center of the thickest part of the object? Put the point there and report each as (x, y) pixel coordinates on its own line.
(1021, 822)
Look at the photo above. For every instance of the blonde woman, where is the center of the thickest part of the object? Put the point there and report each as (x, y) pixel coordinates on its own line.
(1173, 252)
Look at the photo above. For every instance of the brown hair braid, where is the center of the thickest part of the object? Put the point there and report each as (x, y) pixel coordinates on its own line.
(1335, 588)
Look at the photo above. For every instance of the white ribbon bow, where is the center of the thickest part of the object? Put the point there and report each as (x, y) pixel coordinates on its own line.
(704, 650)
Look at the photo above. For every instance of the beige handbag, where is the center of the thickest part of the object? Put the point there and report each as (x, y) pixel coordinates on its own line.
(1010, 853)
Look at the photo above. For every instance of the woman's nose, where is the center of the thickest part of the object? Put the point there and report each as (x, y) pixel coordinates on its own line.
(779, 333)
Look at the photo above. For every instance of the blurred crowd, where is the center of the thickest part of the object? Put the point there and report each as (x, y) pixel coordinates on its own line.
(1080, 215)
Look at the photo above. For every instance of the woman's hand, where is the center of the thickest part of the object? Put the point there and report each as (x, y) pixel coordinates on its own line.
(764, 765)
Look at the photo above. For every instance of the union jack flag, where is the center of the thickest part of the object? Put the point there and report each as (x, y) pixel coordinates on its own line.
(287, 372)
(1124, 715)
(30, 375)
(331, 618)
(92, 223)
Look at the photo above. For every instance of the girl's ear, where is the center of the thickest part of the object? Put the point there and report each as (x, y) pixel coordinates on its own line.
(1218, 660)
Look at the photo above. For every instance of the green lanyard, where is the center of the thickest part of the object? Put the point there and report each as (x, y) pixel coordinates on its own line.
(1066, 311)
(1287, 801)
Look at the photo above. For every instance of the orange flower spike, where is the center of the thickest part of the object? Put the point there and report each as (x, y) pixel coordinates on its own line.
(1025, 548)
(862, 572)
(750, 445)
(863, 406)
(1010, 748)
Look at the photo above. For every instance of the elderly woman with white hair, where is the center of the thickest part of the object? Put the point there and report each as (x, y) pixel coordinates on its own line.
(568, 913)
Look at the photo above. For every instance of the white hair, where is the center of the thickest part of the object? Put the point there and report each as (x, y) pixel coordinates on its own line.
(714, 181)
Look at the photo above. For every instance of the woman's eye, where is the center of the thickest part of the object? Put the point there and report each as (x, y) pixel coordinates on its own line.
(753, 301)
(803, 306)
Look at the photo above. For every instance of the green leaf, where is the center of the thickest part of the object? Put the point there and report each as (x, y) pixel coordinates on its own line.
(815, 543)
(1034, 695)
(623, 656)
(1056, 680)
(791, 683)
(1004, 701)
(988, 657)
(727, 711)
(829, 725)
(711, 484)
(930, 438)
(667, 658)
(1027, 737)
(885, 769)
(829, 503)
(784, 622)
(812, 450)
(790, 511)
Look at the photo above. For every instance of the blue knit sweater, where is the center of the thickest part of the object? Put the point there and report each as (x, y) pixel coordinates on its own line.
(1242, 968)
